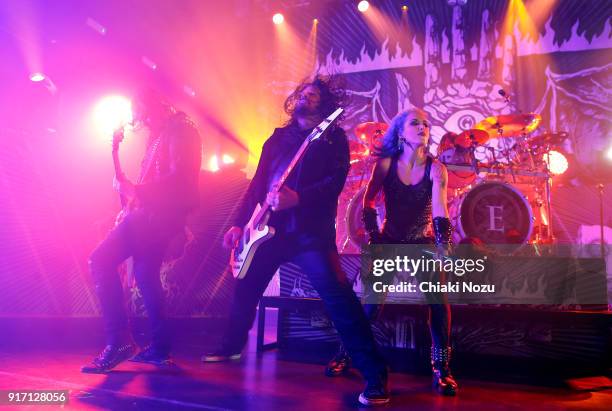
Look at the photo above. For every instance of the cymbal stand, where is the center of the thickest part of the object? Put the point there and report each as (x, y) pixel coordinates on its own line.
(500, 132)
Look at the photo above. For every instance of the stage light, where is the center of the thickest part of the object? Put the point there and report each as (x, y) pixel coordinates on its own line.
(149, 63)
(557, 163)
(36, 77)
(213, 164)
(111, 113)
(609, 154)
(94, 25)
(316, 21)
(363, 6)
(278, 18)
(404, 8)
(227, 159)
(189, 91)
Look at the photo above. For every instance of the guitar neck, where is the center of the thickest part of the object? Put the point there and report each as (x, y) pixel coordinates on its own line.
(296, 158)
(117, 164)
(118, 174)
(314, 135)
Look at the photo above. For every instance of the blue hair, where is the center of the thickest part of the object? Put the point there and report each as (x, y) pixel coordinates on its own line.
(391, 146)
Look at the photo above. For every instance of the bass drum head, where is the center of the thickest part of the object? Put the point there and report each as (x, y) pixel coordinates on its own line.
(354, 223)
(495, 213)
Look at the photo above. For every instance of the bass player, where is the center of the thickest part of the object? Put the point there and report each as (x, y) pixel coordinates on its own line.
(303, 217)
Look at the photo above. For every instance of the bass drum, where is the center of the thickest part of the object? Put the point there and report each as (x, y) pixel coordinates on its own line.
(356, 232)
(494, 213)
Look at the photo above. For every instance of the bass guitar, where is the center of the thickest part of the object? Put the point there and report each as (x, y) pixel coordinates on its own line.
(256, 231)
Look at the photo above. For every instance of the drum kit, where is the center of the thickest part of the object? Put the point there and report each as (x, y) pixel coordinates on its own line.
(499, 181)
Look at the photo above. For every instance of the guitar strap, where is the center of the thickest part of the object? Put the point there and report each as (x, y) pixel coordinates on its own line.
(149, 159)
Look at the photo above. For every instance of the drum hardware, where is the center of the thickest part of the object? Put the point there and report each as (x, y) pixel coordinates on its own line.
(499, 171)
(355, 232)
(520, 165)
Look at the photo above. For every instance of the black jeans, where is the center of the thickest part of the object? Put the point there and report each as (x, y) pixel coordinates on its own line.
(320, 261)
(143, 235)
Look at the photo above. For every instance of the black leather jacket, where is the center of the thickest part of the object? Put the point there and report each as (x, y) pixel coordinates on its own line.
(318, 179)
(169, 181)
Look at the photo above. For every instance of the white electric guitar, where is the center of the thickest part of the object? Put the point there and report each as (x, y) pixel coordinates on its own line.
(256, 230)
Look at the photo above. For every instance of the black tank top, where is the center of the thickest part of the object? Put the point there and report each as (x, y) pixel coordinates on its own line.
(408, 207)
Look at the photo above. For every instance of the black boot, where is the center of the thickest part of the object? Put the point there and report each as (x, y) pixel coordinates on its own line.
(109, 358)
(339, 364)
(443, 381)
(154, 356)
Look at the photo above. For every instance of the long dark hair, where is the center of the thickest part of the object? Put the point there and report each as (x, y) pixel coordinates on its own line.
(333, 95)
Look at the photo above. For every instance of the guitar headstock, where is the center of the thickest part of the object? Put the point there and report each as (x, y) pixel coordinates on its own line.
(118, 137)
(318, 130)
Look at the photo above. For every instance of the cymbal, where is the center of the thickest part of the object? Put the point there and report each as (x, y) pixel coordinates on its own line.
(509, 125)
(549, 138)
(465, 139)
(370, 130)
(471, 137)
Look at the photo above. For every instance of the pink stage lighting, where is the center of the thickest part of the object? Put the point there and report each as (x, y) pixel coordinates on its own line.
(213, 164)
(557, 162)
(363, 6)
(278, 18)
(227, 159)
(111, 113)
(37, 77)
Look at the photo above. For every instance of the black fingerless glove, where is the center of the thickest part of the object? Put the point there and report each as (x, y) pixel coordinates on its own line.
(370, 221)
(443, 230)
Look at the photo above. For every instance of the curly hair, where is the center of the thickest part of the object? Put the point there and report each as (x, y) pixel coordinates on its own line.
(390, 146)
(333, 95)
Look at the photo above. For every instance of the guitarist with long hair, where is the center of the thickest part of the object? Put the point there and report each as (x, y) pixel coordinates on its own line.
(154, 211)
(303, 218)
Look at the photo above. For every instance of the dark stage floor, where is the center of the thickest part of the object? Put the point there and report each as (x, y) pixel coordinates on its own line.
(264, 382)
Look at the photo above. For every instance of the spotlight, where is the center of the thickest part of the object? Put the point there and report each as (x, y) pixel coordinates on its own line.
(316, 21)
(227, 159)
(278, 18)
(189, 91)
(404, 8)
(111, 113)
(36, 77)
(609, 154)
(557, 163)
(213, 164)
(363, 6)
(149, 63)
